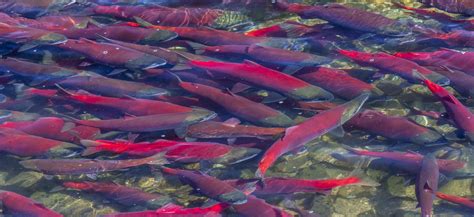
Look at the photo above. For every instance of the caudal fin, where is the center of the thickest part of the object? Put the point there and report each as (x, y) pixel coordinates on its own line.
(158, 159)
(92, 147)
(363, 179)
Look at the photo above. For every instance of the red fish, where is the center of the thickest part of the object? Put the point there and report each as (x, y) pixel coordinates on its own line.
(172, 210)
(452, 59)
(278, 185)
(17, 205)
(458, 6)
(339, 83)
(209, 186)
(352, 18)
(398, 66)
(152, 123)
(165, 16)
(119, 147)
(54, 128)
(410, 161)
(131, 106)
(264, 77)
(114, 55)
(457, 200)
(280, 57)
(240, 106)
(22, 144)
(297, 136)
(124, 195)
(39, 73)
(87, 166)
(442, 17)
(461, 115)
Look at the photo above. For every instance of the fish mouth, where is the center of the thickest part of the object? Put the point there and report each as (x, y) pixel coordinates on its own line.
(3, 98)
(238, 155)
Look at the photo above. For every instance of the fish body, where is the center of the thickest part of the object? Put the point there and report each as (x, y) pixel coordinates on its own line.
(172, 210)
(25, 145)
(398, 66)
(457, 200)
(240, 106)
(339, 83)
(209, 186)
(18, 205)
(87, 166)
(460, 114)
(410, 162)
(297, 136)
(255, 207)
(111, 87)
(267, 78)
(53, 128)
(213, 129)
(124, 195)
(35, 71)
(349, 17)
(451, 59)
(114, 55)
(165, 16)
(29, 35)
(458, 6)
(427, 184)
(151, 123)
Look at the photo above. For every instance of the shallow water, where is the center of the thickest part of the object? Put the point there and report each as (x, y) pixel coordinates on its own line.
(395, 196)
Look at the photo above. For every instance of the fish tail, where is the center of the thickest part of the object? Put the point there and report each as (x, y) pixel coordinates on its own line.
(158, 159)
(358, 177)
(92, 147)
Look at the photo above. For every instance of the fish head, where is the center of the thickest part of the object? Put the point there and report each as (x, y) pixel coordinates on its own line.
(200, 115)
(145, 62)
(358, 56)
(438, 79)
(159, 36)
(3, 98)
(237, 155)
(158, 202)
(430, 136)
(234, 197)
(52, 39)
(353, 106)
(151, 92)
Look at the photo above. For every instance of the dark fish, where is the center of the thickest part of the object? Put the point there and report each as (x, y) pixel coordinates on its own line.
(228, 129)
(151, 123)
(209, 186)
(14, 204)
(427, 184)
(240, 106)
(348, 17)
(111, 87)
(458, 6)
(297, 136)
(124, 195)
(255, 207)
(409, 161)
(113, 55)
(87, 166)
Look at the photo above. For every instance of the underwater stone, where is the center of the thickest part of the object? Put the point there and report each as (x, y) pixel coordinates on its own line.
(396, 187)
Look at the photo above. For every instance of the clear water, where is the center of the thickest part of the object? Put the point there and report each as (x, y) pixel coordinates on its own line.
(394, 197)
